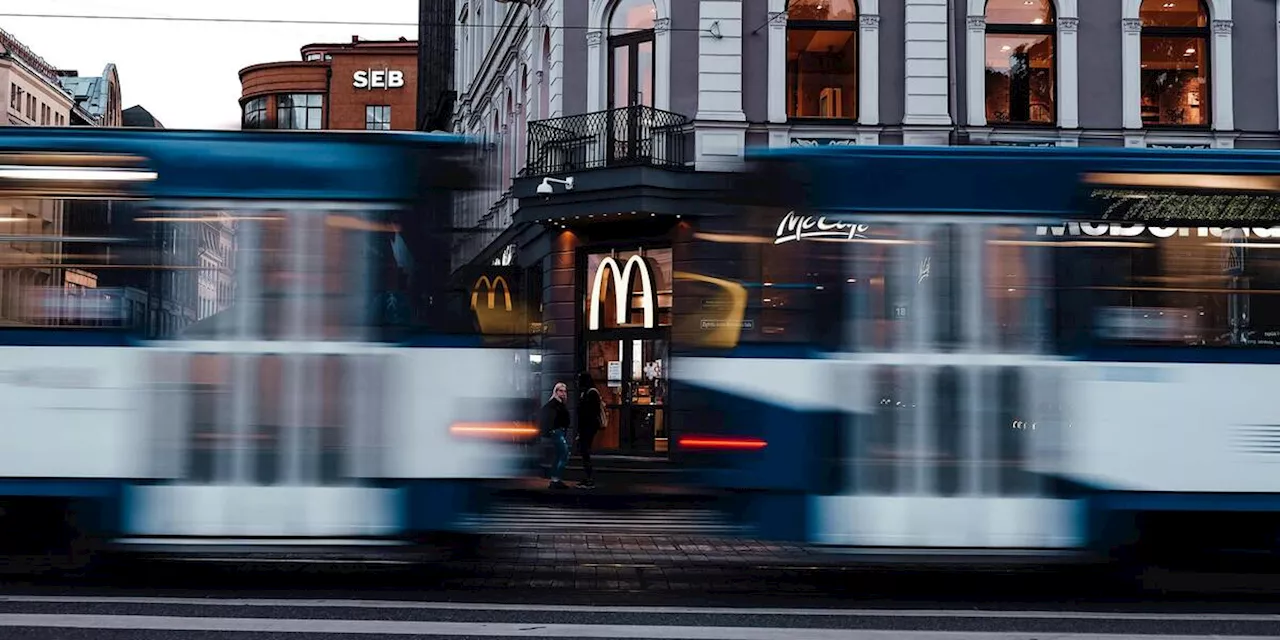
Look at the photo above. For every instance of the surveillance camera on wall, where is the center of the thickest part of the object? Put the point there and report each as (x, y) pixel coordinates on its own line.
(544, 189)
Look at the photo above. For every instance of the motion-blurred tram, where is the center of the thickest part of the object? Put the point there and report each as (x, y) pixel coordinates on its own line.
(994, 352)
(240, 339)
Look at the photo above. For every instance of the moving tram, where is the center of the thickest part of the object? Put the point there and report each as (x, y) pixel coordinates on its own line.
(245, 340)
(994, 353)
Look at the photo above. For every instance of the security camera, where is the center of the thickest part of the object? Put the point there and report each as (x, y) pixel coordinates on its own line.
(544, 189)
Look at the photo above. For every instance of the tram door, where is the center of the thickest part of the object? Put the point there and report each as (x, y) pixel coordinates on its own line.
(266, 407)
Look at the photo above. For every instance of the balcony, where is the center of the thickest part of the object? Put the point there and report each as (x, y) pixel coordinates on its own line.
(623, 137)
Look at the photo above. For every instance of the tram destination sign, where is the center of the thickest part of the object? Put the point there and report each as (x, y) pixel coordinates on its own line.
(1185, 199)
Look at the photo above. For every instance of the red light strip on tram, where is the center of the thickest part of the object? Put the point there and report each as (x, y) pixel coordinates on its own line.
(722, 442)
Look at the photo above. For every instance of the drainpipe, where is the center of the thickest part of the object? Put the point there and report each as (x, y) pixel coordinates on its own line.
(328, 94)
(953, 68)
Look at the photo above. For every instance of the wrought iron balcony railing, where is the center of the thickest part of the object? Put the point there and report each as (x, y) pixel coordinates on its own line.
(626, 136)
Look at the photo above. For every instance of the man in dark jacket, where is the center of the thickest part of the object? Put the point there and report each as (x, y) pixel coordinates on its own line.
(590, 422)
(554, 424)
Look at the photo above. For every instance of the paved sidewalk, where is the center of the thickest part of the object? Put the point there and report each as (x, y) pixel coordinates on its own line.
(656, 550)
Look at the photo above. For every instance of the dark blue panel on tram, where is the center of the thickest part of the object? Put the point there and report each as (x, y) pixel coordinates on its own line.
(989, 180)
(272, 165)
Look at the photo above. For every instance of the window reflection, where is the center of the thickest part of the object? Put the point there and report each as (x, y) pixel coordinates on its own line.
(1209, 287)
(822, 59)
(255, 114)
(1020, 62)
(1175, 78)
(299, 111)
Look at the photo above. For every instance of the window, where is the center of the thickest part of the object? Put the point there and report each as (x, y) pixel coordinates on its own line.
(313, 57)
(631, 40)
(1020, 62)
(255, 114)
(1199, 287)
(377, 118)
(822, 59)
(300, 111)
(1175, 62)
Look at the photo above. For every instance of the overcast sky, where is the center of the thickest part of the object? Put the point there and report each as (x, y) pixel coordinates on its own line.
(186, 73)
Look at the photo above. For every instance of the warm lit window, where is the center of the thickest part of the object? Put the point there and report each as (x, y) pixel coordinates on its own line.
(255, 114)
(377, 118)
(1020, 61)
(822, 59)
(631, 41)
(1175, 62)
(299, 111)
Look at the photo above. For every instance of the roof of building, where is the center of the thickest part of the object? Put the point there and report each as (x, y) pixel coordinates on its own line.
(138, 116)
(90, 93)
(12, 47)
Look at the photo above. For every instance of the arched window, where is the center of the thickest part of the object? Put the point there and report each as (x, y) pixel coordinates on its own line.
(1021, 63)
(631, 39)
(1175, 62)
(544, 94)
(822, 59)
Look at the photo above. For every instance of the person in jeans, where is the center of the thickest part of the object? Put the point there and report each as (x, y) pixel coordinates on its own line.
(590, 422)
(554, 424)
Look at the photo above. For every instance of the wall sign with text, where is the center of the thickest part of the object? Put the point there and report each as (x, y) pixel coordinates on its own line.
(378, 79)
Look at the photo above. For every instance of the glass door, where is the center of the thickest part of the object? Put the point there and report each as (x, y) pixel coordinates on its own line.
(631, 74)
(631, 377)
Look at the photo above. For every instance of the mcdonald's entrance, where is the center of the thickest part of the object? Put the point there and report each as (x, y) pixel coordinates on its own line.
(625, 345)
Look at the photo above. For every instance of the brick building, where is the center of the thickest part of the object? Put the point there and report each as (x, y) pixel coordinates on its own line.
(364, 84)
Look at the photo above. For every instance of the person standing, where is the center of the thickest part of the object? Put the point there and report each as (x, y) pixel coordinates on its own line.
(554, 424)
(591, 420)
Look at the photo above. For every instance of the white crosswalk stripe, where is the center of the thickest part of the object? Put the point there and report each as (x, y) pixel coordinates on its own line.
(529, 518)
(167, 618)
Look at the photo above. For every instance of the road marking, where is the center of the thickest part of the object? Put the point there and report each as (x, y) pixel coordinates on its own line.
(727, 611)
(514, 630)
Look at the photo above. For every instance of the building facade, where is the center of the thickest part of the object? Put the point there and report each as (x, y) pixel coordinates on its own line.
(610, 122)
(364, 84)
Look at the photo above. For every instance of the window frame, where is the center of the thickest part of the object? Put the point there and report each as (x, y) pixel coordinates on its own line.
(245, 110)
(370, 118)
(850, 26)
(1205, 36)
(1013, 29)
(307, 107)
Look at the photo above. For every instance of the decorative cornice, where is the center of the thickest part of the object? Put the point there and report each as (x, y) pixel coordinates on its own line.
(1068, 25)
(662, 25)
(869, 21)
(778, 19)
(977, 23)
(1223, 27)
(1132, 25)
(594, 38)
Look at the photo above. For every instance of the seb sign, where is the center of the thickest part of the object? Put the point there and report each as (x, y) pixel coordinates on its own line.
(378, 79)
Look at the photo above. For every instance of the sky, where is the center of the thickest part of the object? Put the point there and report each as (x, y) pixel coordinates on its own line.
(187, 73)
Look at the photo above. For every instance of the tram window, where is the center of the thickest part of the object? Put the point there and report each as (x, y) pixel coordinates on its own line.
(884, 276)
(793, 289)
(1015, 287)
(91, 264)
(945, 262)
(1199, 287)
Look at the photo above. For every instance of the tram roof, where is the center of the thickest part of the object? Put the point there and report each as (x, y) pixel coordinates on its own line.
(971, 180)
(258, 165)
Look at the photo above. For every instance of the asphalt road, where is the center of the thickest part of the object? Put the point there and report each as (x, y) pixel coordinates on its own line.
(611, 586)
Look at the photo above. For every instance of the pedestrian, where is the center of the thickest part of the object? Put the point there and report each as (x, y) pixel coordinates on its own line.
(554, 425)
(591, 420)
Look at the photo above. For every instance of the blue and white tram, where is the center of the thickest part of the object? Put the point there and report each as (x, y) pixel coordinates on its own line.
(989, 352)
(237, 339)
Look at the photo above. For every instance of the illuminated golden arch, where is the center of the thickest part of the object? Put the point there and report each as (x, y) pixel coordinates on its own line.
(492, 288)
(622, 285)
